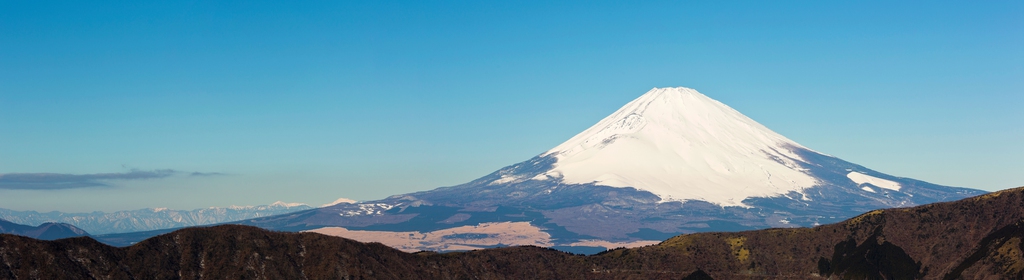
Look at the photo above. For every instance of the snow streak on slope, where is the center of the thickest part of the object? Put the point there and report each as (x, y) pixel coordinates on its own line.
(682, 145)
(861, 178)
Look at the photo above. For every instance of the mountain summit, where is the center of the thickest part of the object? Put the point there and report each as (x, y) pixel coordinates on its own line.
(672, 161)
(681, 145)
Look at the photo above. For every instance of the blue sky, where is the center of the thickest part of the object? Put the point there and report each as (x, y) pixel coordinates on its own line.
(188, 104)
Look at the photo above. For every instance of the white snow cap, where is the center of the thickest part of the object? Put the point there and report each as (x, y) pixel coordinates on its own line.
(287, 204)
(682, 145)
(339, 201)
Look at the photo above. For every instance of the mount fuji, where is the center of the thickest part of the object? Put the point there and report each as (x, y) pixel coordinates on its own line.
(679, 145)
(673, 161)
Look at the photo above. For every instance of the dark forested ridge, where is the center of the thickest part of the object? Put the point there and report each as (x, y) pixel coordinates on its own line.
(967, 239)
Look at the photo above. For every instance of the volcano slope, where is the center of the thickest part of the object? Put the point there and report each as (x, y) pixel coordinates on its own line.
(673, 161)
(975, 238)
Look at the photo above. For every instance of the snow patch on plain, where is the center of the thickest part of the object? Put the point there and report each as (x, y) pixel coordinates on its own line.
(861, 178)
(366, 209)
(682, 145)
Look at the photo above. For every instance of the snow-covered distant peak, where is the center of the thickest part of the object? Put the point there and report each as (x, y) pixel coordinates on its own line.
(287, 204)
(339, 201)
(276, 204)
(682, 145)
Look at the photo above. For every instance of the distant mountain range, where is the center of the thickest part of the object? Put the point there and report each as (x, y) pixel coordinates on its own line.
(150, 219)
(975, 238)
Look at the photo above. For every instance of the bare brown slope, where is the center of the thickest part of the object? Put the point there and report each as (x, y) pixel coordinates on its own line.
(969, 239)
(928, 242)
(242, 252)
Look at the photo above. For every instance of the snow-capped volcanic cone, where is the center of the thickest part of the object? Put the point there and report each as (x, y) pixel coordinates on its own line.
(672, 161)
(681, 145)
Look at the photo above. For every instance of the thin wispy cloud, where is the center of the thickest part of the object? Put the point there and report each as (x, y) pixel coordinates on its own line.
(206, 174)
(57, 181)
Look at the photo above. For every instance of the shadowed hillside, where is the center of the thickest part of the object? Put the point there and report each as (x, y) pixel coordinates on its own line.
(967, 239)
(45, 231)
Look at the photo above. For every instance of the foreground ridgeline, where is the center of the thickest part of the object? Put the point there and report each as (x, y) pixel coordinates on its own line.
(967, 239)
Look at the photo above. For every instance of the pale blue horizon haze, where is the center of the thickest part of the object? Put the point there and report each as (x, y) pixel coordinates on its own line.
(188, 104)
